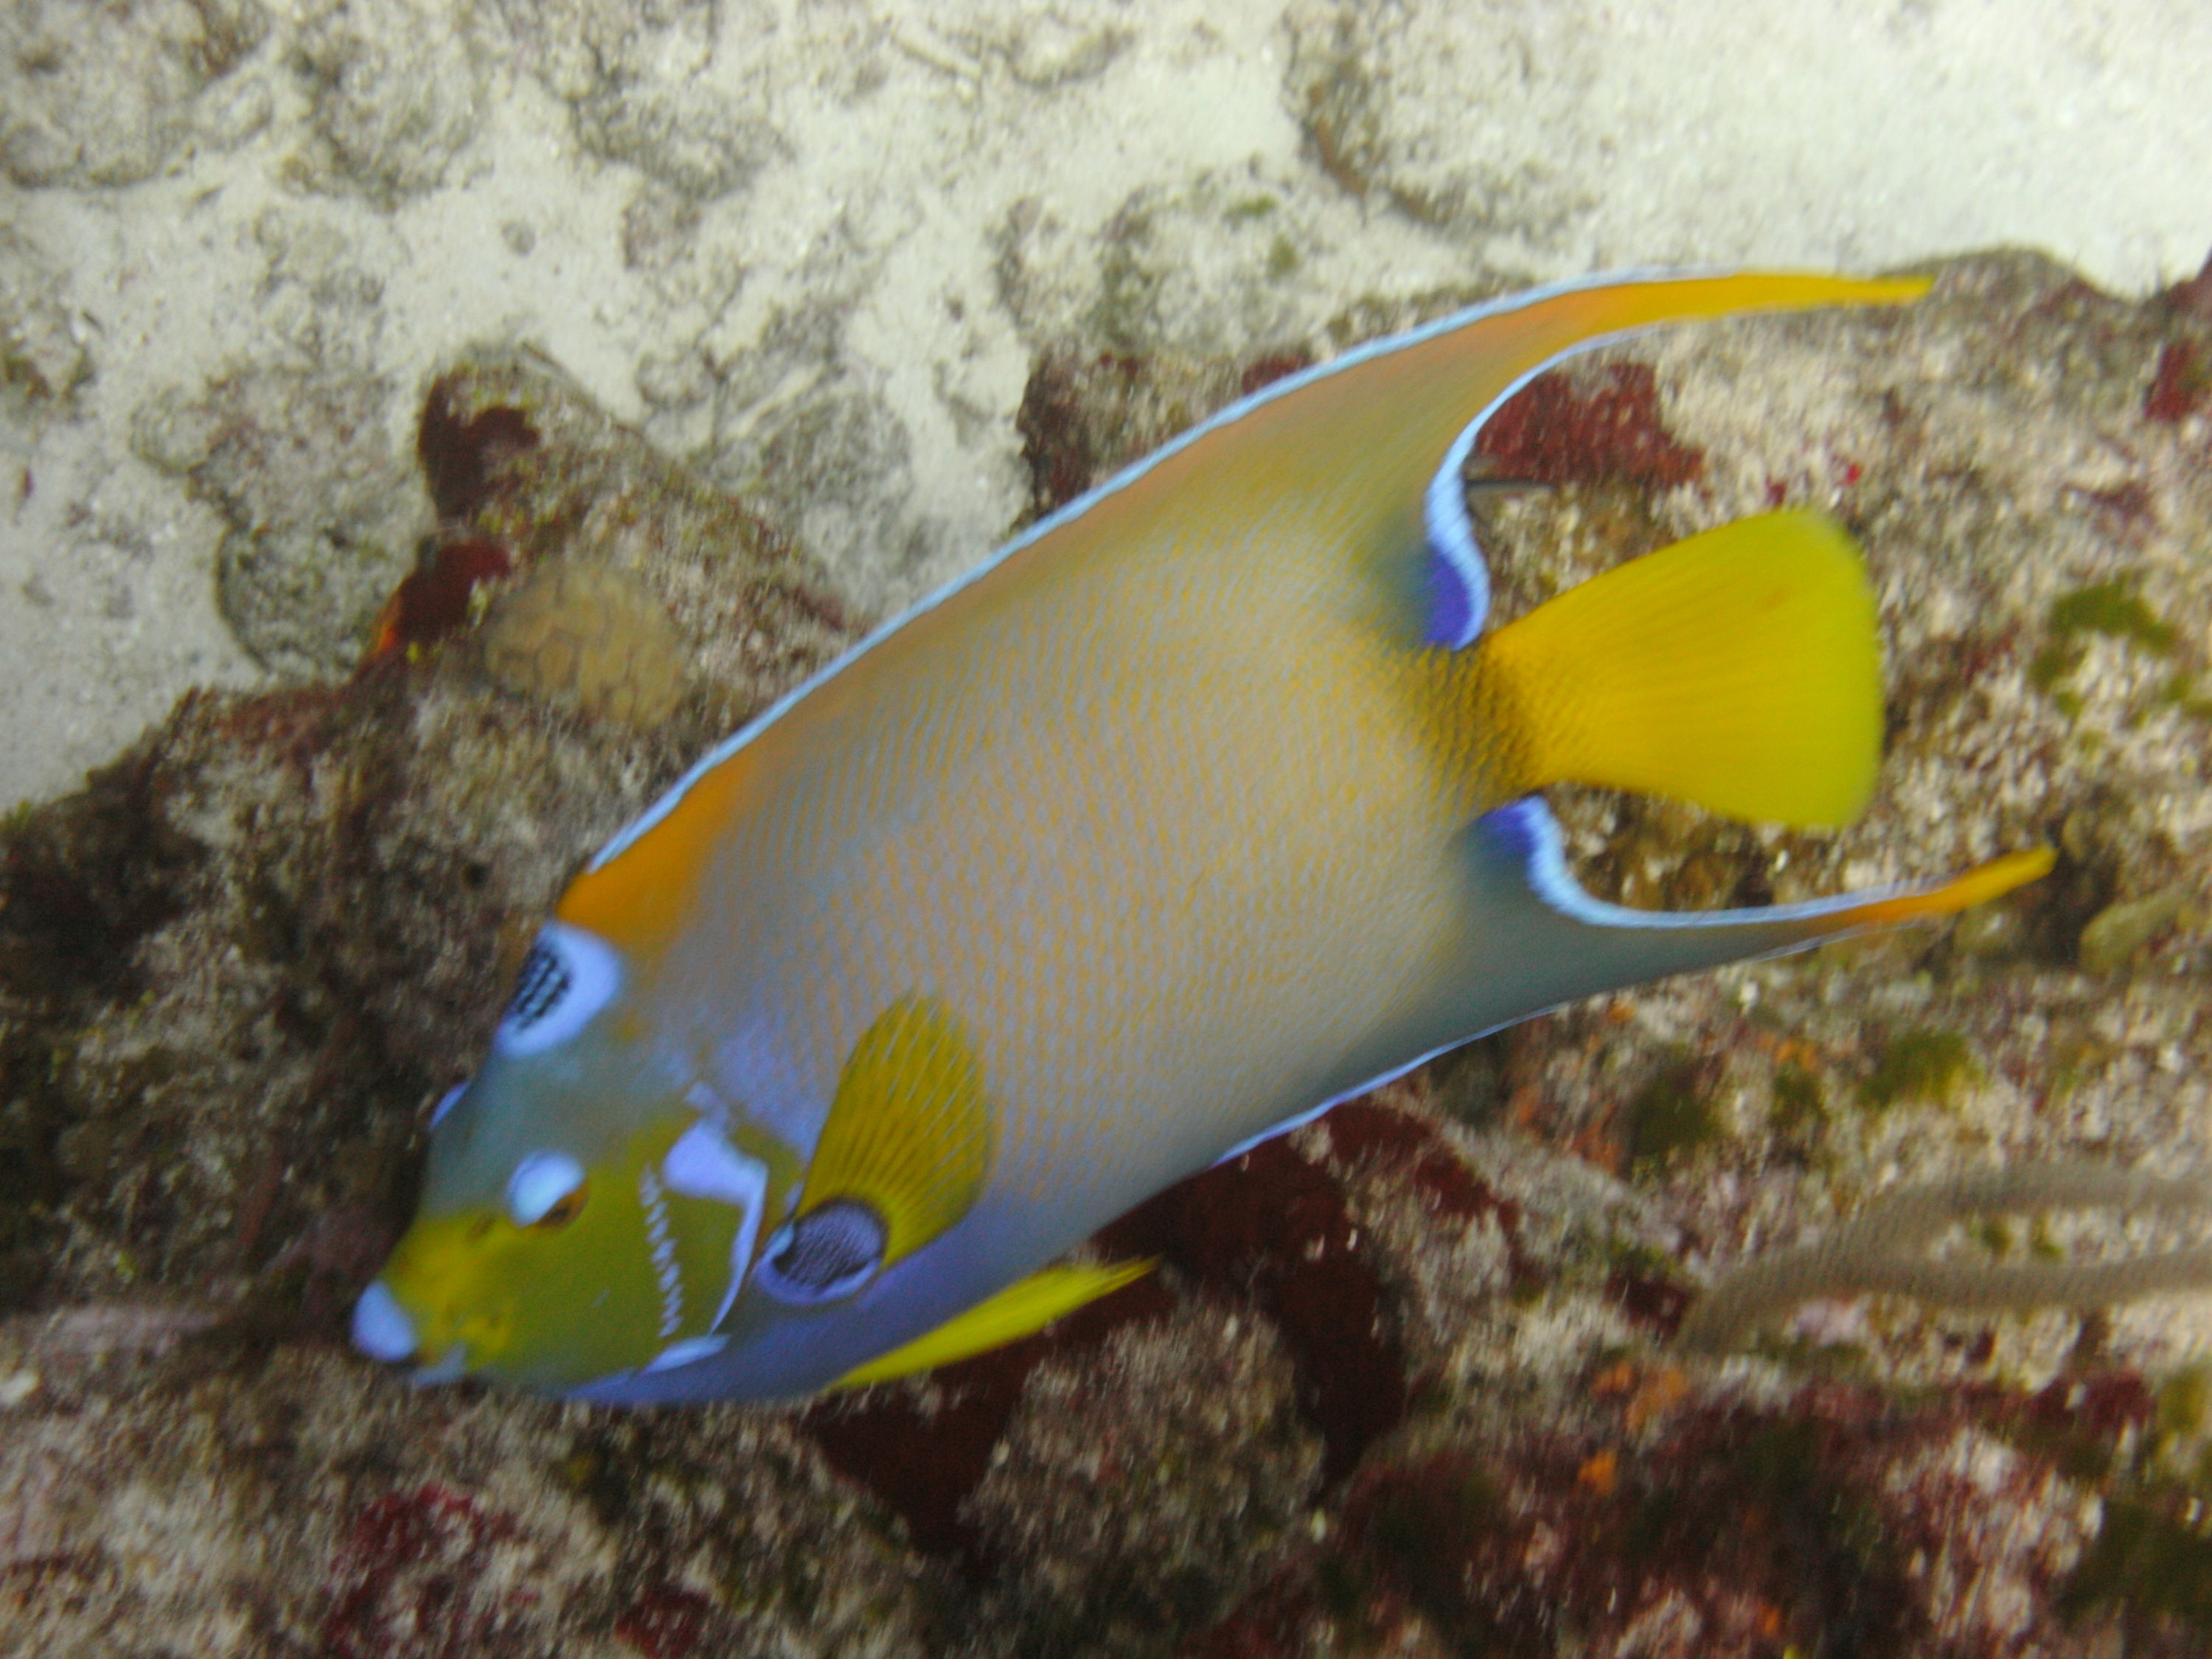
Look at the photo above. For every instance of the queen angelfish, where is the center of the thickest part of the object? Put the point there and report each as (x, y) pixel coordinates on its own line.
(1207, 803)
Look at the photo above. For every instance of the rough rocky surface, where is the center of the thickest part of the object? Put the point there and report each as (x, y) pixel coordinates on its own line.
(114, 93)
(1403, 1382)
(812, 246)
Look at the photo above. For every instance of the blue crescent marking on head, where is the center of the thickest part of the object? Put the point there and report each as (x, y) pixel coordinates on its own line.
(703, 1163)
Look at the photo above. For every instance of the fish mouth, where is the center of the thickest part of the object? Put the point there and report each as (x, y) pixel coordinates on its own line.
(451, 1369)
(382, 1329)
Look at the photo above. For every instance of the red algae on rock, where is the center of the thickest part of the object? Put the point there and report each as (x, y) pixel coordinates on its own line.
(1836, 1521)
(409, 1580)
(1560, 428)
(666, 1622)
(462, 448)
(2179, 385)
(437, 598)
(1272, 1227)
(924, 1448)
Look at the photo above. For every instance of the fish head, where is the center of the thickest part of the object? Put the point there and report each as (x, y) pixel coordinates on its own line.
(581, 1218)
(601, 1220)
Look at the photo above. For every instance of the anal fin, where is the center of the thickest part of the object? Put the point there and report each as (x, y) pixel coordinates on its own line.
(1536, 940)
(1023, 1308)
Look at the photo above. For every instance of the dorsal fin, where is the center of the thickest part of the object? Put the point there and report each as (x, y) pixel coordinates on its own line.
(1418, 400)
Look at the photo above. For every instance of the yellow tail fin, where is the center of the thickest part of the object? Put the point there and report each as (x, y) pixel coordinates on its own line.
(1738, 670)
(1026, 1306)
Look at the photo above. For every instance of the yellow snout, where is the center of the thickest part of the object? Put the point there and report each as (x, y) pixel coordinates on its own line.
(443, 1289)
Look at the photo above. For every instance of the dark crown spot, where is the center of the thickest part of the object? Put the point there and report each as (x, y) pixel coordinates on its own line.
(545, 981)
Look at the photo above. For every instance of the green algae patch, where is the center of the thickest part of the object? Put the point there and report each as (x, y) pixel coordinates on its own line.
(2184, 1403)
(2180, 692)
(1799, 1112)
(1674, 1116)
(2151, 1561)
(2110, 610)
(2120, 932)
(1923, 1064)
(1801, 1104)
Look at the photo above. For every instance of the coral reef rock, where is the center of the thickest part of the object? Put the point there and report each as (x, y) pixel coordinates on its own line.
(1403, 1382)
(111, 95)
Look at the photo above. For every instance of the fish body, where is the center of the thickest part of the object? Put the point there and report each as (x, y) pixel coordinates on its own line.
(1207, 803)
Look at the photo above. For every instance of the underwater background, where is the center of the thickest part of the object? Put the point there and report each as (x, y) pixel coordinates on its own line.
(431, 426)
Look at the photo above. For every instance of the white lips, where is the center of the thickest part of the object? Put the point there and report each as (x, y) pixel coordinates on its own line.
(381, 1329)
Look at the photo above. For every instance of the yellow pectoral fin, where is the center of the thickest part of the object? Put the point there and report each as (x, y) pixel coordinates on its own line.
(1023, 1308)
(910, 1133)
(1739, 669)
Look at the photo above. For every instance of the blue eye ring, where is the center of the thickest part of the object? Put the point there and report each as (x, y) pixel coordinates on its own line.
(546, 1190)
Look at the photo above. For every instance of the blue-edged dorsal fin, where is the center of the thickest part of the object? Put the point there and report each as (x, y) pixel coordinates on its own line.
(1364, 438)
(1370, 446)
(1539, 940)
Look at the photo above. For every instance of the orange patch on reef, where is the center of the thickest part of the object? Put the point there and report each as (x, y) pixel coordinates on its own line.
(1599, 1473)
(1662, 1391)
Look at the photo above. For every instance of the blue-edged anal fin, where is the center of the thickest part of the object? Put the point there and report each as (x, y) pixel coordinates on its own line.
(1539, 940)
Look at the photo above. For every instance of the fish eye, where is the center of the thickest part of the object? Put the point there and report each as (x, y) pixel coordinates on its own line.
(546, 1190)
(827, 1253)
